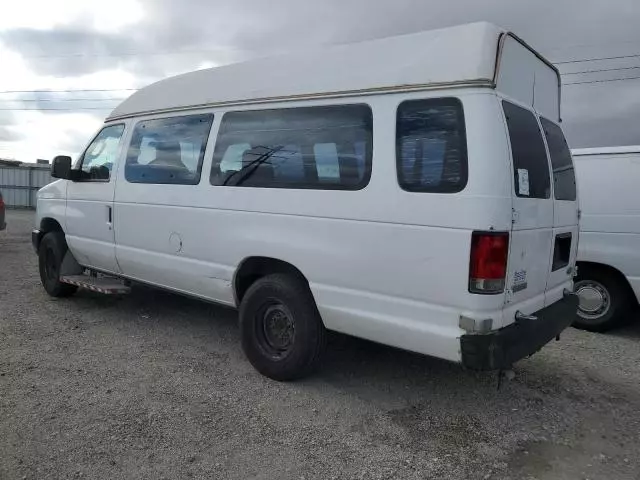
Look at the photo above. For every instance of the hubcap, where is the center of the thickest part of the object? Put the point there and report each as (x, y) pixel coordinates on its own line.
(278, 329)
(595, 300)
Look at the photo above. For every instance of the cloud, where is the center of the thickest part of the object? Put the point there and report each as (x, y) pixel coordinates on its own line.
(39, 135)
(7, 132)
(48, 51)
(7, 135)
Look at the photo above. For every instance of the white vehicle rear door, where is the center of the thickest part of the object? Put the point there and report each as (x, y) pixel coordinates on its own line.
(565, 212)
(531, 239)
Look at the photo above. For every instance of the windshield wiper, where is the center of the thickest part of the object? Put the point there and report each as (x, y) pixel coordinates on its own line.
(250, 168)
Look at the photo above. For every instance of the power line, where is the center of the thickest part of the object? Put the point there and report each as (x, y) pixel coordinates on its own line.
(602, 70)
(602, 81)
(72, 90)
(597, 59)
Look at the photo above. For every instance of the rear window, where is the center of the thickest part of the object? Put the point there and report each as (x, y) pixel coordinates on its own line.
(530, 164)
(431, 146)
(564, 179)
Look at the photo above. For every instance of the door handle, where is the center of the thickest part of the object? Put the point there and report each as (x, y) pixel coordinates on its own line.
(109, 216)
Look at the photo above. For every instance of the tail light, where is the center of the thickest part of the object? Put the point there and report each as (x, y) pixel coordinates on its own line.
(1, 202)
(488, 266)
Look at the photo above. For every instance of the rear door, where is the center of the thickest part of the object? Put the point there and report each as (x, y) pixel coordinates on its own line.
(533, 214)
(565, 212)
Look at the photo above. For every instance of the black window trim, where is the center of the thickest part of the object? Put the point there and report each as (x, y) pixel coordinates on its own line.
(203, 155)
(368, 160)
(464, 173)
(553, 170)
(544, 144)
(78, 168)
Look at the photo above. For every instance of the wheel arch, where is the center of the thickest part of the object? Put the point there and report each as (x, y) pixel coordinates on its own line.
(47, 225)
(611, 270)
(253, 268)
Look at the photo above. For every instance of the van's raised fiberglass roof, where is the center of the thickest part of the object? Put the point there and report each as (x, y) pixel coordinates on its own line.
(465, 55)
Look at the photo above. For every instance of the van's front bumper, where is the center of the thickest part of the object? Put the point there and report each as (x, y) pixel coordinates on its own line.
(499, 349)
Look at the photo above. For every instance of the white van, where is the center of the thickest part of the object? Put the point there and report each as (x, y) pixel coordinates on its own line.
(608, 281)
(399, 190)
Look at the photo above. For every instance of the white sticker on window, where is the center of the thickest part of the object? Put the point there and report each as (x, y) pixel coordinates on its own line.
(523, 181)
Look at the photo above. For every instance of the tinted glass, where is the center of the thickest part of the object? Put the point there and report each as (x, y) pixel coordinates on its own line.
(101, 155)
(313, 147)
(168, 150)
(530, 164)
(431, 146)
(564, 179)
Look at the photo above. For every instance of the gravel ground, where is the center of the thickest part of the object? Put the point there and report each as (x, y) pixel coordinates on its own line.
(154, 385)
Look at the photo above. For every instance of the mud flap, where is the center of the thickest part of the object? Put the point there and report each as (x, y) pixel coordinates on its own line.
(70, 266)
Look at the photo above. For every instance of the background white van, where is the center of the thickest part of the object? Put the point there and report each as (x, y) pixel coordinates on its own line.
(398, 190)
(608, 280)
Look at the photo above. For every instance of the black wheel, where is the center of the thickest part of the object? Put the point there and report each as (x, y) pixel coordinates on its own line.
(282, 332)
(605, 300)
(50, 255)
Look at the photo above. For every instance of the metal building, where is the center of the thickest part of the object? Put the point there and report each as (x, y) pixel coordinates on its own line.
(20, 183)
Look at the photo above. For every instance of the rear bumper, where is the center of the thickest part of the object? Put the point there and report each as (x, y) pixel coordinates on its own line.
(36, 236)
(499, 349)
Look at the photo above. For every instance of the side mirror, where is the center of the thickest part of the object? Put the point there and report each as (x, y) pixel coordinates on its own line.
(61, 167)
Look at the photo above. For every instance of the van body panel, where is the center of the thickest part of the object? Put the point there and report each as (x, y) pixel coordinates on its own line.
(635, 286)
(544, 227)
(610, 206)
(439, 58)
(532, 220)
(412, 234)
(618, 250)
(566, 215)
(523, 76)
(89, 225)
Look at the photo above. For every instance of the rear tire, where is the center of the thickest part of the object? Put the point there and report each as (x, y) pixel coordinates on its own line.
(605, 299)
(282, 333)
(52, 249)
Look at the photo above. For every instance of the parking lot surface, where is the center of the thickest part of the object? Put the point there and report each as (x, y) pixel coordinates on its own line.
(154, 385)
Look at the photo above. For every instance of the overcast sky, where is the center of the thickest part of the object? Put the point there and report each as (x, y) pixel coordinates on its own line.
(118, 45)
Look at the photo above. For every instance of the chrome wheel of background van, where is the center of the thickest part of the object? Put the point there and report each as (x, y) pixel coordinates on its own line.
(595, 299)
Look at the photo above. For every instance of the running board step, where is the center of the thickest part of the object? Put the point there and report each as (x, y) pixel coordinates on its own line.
(100, 284)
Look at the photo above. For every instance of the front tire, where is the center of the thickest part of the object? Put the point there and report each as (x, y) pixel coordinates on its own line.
(282, 333)
(52, 249)
(605, 299)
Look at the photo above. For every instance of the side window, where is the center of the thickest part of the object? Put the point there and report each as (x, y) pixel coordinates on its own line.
(310, 147)
(168, 150)
(101, 155)
(530, 164)
(431, 146)
(564, 179)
